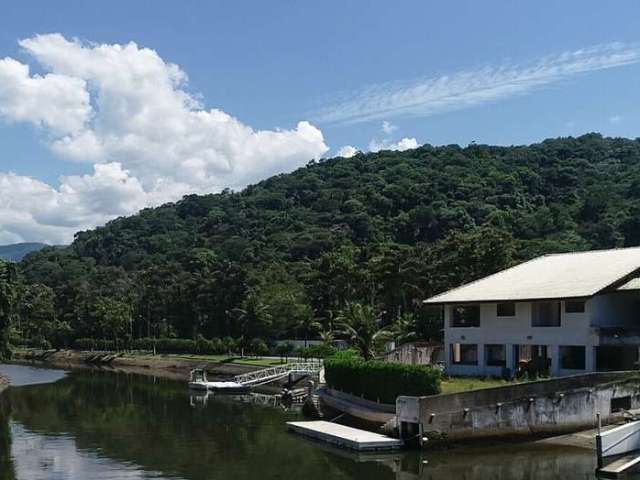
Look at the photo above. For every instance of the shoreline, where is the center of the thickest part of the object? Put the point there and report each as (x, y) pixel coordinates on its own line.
(159, 365)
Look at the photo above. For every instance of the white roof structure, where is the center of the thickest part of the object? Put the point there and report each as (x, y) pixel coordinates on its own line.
(633, 284)
(564, 275)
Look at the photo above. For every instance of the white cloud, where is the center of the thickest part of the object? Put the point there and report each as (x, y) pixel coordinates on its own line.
(57, 102)
(401, 145)
(388, 128)
(33, 210)
(615, 119)
(466, 89)
(125, 110)
(347, 151)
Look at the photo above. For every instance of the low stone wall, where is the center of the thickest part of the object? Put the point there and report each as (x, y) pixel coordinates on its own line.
(543, 407)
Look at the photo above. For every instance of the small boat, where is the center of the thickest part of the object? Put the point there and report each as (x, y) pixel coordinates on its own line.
(198, 381)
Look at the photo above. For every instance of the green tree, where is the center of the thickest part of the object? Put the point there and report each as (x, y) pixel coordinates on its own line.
(8, 300)
(360, 326)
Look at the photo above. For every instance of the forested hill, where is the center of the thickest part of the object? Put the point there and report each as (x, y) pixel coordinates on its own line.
(387, 229)
(17, 251)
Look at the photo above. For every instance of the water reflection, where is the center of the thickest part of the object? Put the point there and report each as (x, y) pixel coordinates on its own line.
(111, 425)
(21, 375)
(40, 457)
(6, 463)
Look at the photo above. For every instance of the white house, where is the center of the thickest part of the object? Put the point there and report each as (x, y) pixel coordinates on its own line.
(576, 312)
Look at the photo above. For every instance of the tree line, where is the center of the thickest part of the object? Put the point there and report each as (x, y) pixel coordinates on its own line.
(341, 247)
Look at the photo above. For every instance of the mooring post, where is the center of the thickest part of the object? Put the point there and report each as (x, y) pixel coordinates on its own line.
(599, 422)
(599, 440)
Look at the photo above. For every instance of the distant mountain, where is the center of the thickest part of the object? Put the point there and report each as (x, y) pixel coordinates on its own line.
(17, 251)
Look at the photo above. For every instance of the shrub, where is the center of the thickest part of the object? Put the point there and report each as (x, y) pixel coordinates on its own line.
(285, 349)
(376, 380)
(94, 344)
(143, 344)
(201, 345)
(322, 350)
(84, 344)
(258, 347)
(230, 345)
(208, 347)
(175, 345)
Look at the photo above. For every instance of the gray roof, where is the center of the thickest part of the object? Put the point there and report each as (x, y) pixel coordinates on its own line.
(564, 275)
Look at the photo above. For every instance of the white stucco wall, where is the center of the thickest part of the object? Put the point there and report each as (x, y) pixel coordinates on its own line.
(575, 329)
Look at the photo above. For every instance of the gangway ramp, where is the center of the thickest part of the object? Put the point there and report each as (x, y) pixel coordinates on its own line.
(267, 375)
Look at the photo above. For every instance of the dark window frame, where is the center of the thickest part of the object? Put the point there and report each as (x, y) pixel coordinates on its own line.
(580, 360)
(536, 322)
(458, 321)
(462, 362)
(511, 310)
(495, 363)
(574, 303)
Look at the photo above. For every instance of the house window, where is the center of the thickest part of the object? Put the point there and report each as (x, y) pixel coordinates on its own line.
(545, 314)
(495, 355)
(465, 316)
(528, 353)
(464, 354)
(506, 309)
(574, 306)
(572, 357)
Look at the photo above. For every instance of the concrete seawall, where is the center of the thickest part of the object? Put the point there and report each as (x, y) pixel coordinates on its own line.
(357, 407)
(544, 407)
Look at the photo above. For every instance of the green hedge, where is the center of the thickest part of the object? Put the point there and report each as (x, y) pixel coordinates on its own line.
(376, 380)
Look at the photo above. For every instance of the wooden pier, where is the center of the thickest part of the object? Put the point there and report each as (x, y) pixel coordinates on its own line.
(346, 437)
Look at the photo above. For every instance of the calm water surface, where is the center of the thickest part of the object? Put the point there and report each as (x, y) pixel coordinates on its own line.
(100, 425)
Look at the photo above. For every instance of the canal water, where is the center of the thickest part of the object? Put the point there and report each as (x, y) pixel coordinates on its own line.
(90, 424)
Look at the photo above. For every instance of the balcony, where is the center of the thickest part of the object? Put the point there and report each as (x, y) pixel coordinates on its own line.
(618, 335)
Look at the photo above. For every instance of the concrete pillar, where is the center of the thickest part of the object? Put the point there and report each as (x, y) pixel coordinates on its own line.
(447, 357)
(510, 357)
(481, 358)
(590, 360)
(553, 351)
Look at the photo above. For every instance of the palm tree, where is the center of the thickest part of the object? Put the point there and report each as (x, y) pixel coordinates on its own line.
(307, 323)
(327, 336)
(360, 325)
(253, 317)
(403, 329)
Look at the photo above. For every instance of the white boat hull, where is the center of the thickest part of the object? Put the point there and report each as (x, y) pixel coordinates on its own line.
(230, 387)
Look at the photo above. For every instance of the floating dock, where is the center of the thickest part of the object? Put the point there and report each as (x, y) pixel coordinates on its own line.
(618, 468)
(346, 437)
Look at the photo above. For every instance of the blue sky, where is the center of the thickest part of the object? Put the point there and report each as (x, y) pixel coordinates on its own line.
(271, 65)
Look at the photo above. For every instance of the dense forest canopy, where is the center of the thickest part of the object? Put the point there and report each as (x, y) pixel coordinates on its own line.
(282, 258)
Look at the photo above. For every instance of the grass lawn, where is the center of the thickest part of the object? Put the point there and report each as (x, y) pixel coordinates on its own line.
(464, 384)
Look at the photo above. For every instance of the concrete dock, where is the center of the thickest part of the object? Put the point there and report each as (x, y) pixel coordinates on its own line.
(343, 436)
